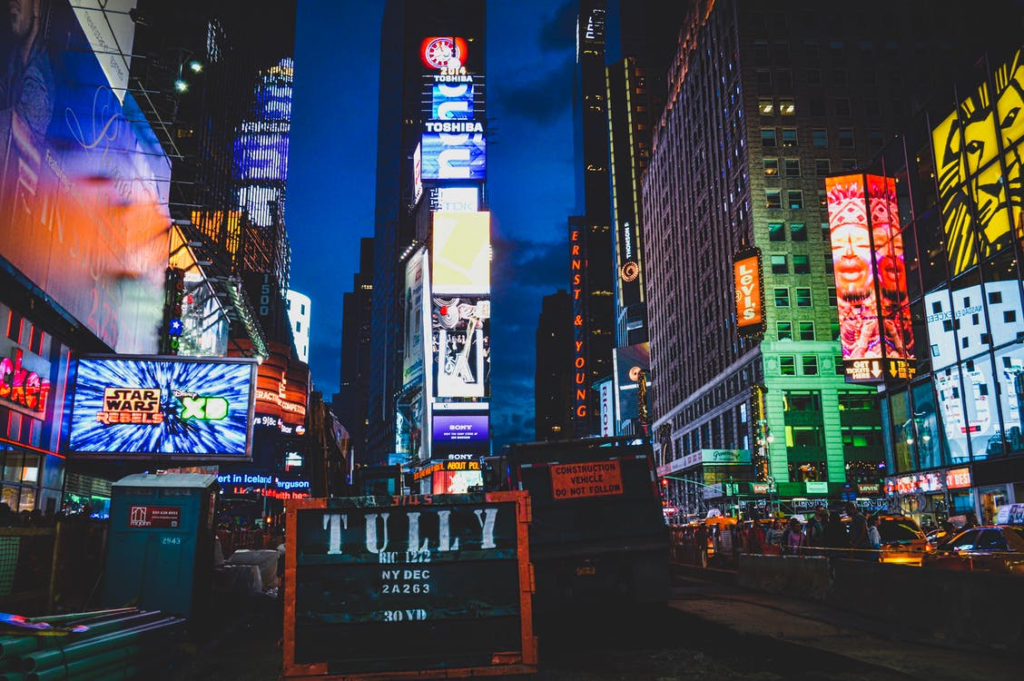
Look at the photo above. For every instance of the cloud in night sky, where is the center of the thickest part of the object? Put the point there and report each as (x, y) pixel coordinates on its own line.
(545, 97)
(559, 31)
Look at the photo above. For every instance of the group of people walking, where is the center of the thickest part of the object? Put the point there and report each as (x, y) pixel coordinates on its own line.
(824, 530)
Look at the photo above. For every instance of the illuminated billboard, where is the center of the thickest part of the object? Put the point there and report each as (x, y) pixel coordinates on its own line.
(461, 253)
(417, 174)
(443, 52)
(454, 155)
(461, 346)
(580, 327)
(414, 347)
(870, 274)
(460, 432)
(981, 203)
(261, 156)
(749, 292)
(456, 482)
(131, 408)
(83, 181)
(632, 380)
(451, 101)
(455, 199)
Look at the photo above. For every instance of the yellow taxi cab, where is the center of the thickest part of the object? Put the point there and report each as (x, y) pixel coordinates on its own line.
(903, 541)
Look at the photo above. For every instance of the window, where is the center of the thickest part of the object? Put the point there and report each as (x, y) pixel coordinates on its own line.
(779, 265)
(298, 327)
(811, 51)
(785, 330)
(789, 137)
(781, 52)
(839, 77)
(773, 198)
(840, 369)
(787, 107)
(832, 300)
(810, 365)
(830, 265)
(792, 166)
(817, 106)
(813, 77)
(795, 199)
(782, 297)
(801, 400)
(822, 199)
(764, 80)
(843, 107)
(803, 297)
(822, 167)
(801, 264)
(849, 163)
(768, 137)
(834, 330)
(872, 107)
(766, 107)
(35, 340)
(806, 331)
(784, 80)
(845, 138)
(819, 137)
(776, 231)
(875, 139)
(798, 231)
(787, 365)
(761, 51)
(771, 167)
(1010, 316)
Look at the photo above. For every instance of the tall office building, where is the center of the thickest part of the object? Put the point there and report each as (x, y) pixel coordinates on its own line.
(351, 402)
(764, 101)
(553, 378)
(419, 40)
(590, 240)
(300, 309)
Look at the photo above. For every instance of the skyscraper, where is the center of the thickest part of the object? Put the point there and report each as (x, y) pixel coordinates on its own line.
(591, 253)
(553, 378)
(351, 402)
(415, 38)
(764, 101)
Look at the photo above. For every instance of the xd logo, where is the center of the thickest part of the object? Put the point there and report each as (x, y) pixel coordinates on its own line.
(203, 408)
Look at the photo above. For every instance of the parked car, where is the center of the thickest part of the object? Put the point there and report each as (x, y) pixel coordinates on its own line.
(903, 541)
(990, 548)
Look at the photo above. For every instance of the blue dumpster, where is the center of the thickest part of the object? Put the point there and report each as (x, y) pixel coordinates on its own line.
(160, 546)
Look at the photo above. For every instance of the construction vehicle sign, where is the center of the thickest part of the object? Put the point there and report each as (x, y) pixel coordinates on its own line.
(587, 479)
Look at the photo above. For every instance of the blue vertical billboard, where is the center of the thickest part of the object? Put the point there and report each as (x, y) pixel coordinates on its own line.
(83, 180)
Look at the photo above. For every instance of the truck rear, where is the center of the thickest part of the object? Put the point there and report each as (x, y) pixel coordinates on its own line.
(598, 534)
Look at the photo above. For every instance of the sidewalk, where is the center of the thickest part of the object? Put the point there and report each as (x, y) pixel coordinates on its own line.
(817, 627)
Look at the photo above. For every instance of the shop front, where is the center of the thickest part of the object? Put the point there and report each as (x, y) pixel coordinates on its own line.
(458, 474)
(708, 479)
(932, 497)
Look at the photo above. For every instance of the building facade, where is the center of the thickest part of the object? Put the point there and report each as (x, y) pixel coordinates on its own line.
(765, 100)
(553, 378)
(953, 426)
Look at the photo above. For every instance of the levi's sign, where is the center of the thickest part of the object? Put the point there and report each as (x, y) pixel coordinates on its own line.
(749, 296)
(439, 573)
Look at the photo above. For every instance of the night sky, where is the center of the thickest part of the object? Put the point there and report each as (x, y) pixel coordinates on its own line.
(330, 205)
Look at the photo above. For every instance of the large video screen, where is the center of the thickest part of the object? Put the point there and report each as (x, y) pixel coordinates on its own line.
(454, 156)
(870, 275)
(980, 205)
(461, 253)
(83, 180)
(460, 432)
(451, 101)
(132, 408)
(461, 346)
(261, 156)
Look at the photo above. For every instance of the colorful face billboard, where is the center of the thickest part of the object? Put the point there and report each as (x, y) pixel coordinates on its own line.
(871, 290)
(980, 202)
(454, 156)
(461, 346)
(136, 408)
(461, 253)
(746, 268)
(83, 181)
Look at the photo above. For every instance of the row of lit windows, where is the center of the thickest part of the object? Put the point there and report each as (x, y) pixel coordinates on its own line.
(789, 138)
(808, 365)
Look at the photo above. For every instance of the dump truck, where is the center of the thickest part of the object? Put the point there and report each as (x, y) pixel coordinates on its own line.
(598, 534)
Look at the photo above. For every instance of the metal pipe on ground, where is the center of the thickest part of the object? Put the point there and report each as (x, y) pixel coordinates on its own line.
(48, 658)
(20, 645)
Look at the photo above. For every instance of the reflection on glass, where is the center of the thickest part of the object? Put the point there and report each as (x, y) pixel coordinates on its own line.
(947, 387)
(982, 420)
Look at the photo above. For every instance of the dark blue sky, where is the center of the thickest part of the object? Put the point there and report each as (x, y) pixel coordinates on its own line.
(530, 60)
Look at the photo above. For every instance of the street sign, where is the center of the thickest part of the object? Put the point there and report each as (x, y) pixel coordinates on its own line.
(408, 587)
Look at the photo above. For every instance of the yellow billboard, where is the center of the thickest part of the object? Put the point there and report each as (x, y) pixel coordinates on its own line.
(981, 203)
(461, 255)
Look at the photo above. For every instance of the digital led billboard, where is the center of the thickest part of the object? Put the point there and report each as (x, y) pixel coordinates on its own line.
(455, 199)
(417, 174)
(462, 432)
(83, 182)
(454, 156)
(632, 380)
(749, 291)
(451, 101)
(135, 407)
(981, 203)
(461, 253)
(871, 291)
(461, 346)
(414, 347)
(261, 156)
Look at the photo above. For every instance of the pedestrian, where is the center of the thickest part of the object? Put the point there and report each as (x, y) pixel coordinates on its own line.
(756, 538)
(815, 530)
(774, 535)
(874, 538)
(858, 527)
(948, 532)
(972, 520)
(700, 541)
(795, 538)
(835, 536)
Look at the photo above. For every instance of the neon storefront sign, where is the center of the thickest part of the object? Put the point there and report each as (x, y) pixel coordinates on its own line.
(20, 386)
